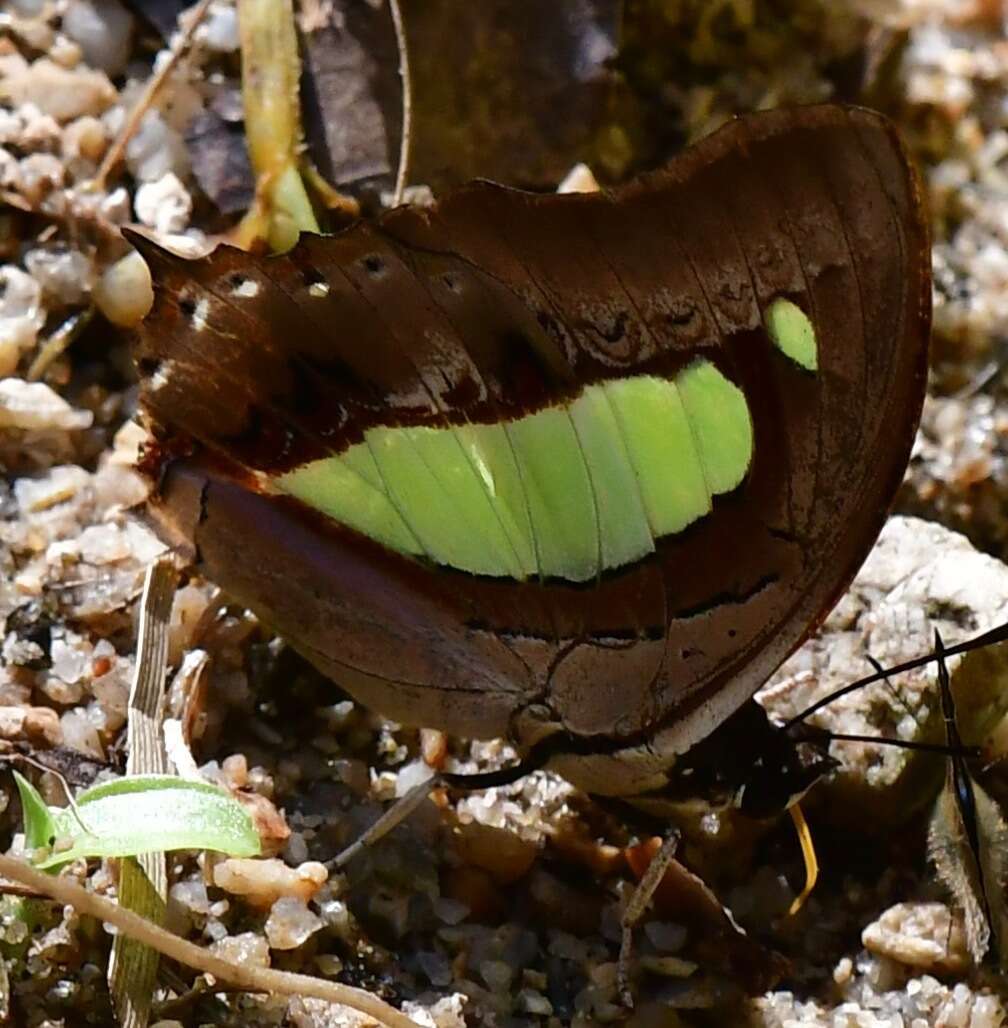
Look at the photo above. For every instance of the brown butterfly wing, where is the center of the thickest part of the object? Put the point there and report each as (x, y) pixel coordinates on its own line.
(496, 303)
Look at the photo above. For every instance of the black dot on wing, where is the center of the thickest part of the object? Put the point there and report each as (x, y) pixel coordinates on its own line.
(187, 305)
(373, 263)
(313, 277)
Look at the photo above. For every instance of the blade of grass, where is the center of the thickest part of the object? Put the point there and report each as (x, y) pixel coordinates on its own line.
(39, 827)
(143, 880)
(140, 814)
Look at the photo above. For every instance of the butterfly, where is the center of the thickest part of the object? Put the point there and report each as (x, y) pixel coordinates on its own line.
(576, 470)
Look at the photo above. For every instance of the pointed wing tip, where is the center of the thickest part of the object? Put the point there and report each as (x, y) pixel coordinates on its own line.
(148, 247)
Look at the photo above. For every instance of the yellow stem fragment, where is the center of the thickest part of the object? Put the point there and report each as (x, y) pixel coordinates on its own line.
(808, 855)
(270, 71)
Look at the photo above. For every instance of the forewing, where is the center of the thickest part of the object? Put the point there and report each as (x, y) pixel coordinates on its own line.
(500, 309)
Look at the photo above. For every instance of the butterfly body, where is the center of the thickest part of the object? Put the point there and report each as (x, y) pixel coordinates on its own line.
(579, 471)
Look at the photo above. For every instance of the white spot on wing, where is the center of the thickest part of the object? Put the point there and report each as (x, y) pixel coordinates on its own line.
(247, 289)
(199, 318)
(161, 376)
(318, 289)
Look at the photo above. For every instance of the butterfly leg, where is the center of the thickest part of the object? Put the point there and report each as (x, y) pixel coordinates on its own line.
(637, 907)
(406, 804)
(395, 815)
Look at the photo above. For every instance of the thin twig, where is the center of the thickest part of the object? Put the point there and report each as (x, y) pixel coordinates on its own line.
(154, 84)
(407, 104)
(245, 976)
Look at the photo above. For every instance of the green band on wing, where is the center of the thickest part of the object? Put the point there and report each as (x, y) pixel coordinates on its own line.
(719, 419)
(334, 488)
(568, 492)
(792, 333)
(624, 532)
(660, 443)
(559, 493)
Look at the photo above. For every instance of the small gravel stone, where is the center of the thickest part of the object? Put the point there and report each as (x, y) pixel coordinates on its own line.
(450, 911)
(531, 1002)
(248, 948)
(64, 275)
(156, 150)
(190, 896)
(447, 1012)
(104, 544)
(62, 93)
(497, 974)
(164, 205)
(290, 923)
(329, 964)
(336, 915)
(39, 131)
(263, 882)
(80, 734)
(504, 854)
(65, 52)
(34, 405)
(69, 660)
(21, 315)
(919, 935)
(103, 29)
(413, 773)
(219, 30)
(436, 967)
(85, 139)
(39, 175)
(54, 487)
(39, 725)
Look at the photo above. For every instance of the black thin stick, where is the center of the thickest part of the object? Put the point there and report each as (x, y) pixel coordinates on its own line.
(907, 744)
(995, 635)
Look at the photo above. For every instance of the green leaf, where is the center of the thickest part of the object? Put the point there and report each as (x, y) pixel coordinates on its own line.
(39, 827)
(149, 813)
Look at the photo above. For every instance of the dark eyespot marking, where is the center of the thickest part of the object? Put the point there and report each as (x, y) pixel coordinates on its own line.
(614, 332)
(373, 264)
(148, 366)
(187, 305)
(313, 277)
(681, 314)
(549, 325)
